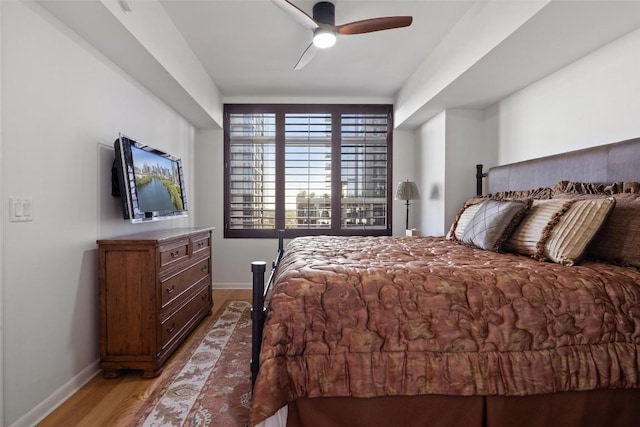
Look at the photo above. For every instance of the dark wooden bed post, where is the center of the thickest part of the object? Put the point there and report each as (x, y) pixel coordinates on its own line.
(258, 315)
(479, 176)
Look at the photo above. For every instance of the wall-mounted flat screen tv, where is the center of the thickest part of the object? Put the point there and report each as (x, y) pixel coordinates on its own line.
(150, 182)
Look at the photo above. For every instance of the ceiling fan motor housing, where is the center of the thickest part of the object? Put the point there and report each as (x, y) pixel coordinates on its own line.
(324, 12)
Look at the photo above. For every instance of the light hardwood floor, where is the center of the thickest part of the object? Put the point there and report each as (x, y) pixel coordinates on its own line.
(112, 402)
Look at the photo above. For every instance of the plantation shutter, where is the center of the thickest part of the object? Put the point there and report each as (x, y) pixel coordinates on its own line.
(307, 171)
(364, 171)
(252, 171)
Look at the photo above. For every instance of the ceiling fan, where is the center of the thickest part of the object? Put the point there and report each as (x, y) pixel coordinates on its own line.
(325, 31)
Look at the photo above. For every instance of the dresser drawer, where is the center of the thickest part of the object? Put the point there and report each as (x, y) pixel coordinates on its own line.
(201, 244)
(180, 281)
(174, 326)
(173, 252)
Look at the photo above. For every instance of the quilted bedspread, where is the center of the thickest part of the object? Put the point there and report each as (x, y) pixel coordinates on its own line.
(377, 316)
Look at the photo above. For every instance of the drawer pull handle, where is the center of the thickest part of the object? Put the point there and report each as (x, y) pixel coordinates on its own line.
(175, 254)
(171, 289)
(200, 244)
(171, 328)
(203, 268)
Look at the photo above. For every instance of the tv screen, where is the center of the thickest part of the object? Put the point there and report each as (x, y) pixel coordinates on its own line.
(150, 182)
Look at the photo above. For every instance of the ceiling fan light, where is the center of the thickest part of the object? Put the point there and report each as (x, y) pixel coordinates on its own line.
(323, 38)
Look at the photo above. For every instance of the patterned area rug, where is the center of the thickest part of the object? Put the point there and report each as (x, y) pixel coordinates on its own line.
(211, 382)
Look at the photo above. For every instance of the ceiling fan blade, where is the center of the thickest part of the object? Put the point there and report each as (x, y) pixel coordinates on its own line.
(375, 24)
(301, 17)
(306, 57)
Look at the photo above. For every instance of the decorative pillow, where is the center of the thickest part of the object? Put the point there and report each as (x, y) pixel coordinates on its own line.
(493, 222)
(618, 240)
(472, 205)
(530, 235)
(583, 188)
(629, 187)
(535, 193)
(465, 214)
(568, 240)
(590, 188)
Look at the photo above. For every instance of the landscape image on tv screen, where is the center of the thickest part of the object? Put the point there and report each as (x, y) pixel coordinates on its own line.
(157, 182)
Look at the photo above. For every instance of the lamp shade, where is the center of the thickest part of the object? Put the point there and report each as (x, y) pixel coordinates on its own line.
(407, 190)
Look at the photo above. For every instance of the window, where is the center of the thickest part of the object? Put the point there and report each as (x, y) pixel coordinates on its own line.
(307, 169)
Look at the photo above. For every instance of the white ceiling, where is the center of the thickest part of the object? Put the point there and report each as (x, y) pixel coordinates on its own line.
(250, 47)
(456, 54)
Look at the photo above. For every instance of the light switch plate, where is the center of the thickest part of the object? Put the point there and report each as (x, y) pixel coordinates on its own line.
(20, 210)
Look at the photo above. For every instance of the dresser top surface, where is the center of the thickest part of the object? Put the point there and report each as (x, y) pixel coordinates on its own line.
(156, 236)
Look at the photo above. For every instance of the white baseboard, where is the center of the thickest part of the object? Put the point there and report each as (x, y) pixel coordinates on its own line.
(48, 405)
(232, 286)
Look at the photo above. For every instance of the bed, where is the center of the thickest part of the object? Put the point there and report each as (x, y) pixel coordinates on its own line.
(527, 312)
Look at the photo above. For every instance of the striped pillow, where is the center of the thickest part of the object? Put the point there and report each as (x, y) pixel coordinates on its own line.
(529, 236)
(568, 240)
(618, 241)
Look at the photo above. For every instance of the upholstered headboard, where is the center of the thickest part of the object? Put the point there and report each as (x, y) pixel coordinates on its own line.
(603, 164)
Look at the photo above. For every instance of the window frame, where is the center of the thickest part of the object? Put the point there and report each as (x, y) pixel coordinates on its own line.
(336, 110)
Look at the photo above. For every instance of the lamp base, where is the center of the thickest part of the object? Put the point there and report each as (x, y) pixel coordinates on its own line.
(407, 226)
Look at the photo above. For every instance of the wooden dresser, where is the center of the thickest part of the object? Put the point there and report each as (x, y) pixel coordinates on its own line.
(154, 289)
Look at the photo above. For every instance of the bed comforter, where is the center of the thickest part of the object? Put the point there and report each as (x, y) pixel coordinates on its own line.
(379, 316)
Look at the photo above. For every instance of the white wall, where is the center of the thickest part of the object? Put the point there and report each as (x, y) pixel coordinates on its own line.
(404, 167)
(2, 211)
(464, 45)
(232, 257)
(431, 160)
(63, 105)
(591, 102)
(448, 147)
(466, 147)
